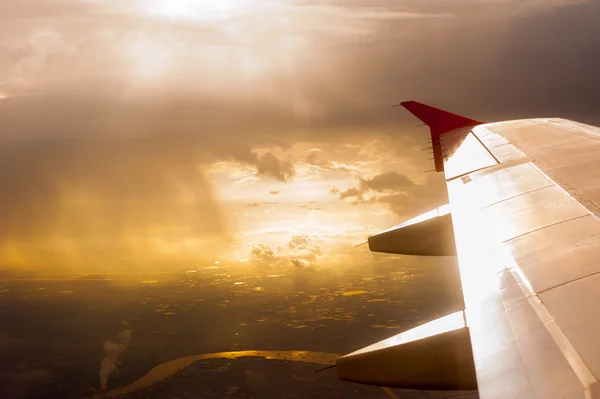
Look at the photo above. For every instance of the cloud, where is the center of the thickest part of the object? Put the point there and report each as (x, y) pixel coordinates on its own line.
(274, 192)
(262, 252)
(387, 181)
(270, 166)
(401, 194)
(313, 159)
(304, 246)
(113, 349)
(384, 182)
(393, 61)
(300, 263)
(302, 251)
(267, 165)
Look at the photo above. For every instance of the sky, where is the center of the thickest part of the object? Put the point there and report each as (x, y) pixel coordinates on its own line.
(169, 133)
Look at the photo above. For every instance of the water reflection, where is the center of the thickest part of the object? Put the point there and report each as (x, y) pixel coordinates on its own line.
(167, 369)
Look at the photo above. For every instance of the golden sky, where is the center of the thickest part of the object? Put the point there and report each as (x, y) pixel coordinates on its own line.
(165, 133)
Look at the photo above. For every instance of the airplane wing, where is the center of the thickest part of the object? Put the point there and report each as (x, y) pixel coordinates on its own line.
(525, 207)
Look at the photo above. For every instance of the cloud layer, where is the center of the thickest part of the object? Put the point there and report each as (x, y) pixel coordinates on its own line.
(110, 112)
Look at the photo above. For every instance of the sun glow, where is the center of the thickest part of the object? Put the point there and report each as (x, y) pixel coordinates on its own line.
(207, 10)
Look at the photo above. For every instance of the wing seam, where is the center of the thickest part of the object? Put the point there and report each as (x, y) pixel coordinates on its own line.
(484, 146)
(518, 195)
(542, 228)
(558, 127)
(516, 341)
(577, 364)
(568, 282)
(565, 191)
(500, 166)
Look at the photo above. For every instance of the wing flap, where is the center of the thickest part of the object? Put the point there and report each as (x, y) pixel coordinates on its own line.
(558, 254)
(434, 356)
(498, 146)
(430, 234)
(574, 306)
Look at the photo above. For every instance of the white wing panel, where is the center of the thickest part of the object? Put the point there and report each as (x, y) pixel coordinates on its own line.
(498, 145)
(514, 337)
(532, 211)
(566, 151)
(576, 307)
(559, 254)
(496, 184)
(546, 367)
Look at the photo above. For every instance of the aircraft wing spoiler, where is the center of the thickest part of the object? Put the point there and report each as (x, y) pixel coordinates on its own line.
(430, 234)
(435, 356)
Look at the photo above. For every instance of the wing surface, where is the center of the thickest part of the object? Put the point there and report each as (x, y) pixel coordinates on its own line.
(525, 198)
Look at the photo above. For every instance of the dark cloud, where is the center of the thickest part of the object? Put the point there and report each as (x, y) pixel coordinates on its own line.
(269, 165)
(496, 59)
(387, 181)
(398, 192)
(384, 182)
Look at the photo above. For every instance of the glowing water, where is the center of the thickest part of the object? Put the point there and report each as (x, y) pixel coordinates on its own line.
(167, 369)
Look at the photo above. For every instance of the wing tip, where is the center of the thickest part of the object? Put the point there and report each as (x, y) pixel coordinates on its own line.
(439, 118)
(439, 122)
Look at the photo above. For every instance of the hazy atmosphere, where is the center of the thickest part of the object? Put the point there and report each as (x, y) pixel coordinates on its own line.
(160, 133)
(183, 182)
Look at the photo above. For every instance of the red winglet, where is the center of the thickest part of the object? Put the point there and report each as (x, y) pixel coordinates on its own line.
(439, 122)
